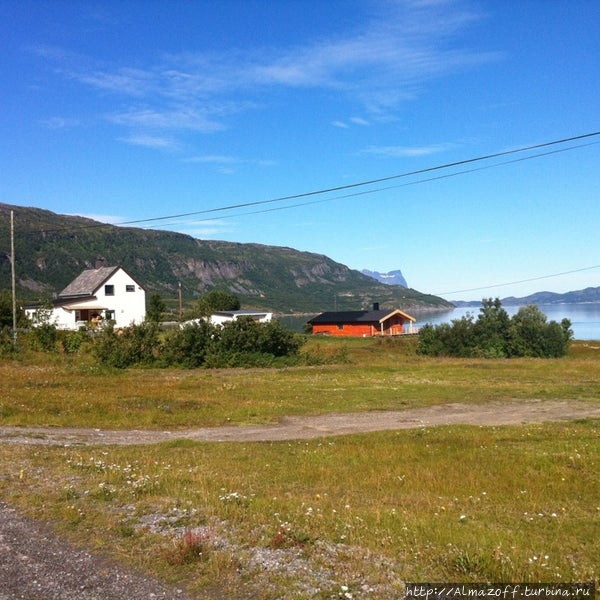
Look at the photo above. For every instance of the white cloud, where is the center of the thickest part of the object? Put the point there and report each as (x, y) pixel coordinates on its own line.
(129, 82)
(407, 151)
(351, 121)
(182, 118)
(151, 141)
(226, 164)
(379, 66)
(59, 122)
(205, 228)
(213, 159)
(111, 219)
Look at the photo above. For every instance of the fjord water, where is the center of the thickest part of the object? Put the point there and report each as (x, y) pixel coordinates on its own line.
(585, 318)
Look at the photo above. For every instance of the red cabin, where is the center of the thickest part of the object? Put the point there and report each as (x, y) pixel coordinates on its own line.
(362, 323)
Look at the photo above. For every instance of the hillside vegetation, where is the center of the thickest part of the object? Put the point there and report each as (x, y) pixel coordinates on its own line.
(53, 249)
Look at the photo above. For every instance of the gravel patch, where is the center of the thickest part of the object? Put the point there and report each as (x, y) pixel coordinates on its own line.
(35, 564)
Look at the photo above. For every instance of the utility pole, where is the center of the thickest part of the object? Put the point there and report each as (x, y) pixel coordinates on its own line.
(12, 271)
(180, 303)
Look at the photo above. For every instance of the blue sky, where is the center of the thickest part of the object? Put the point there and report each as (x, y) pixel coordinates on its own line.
(130, 110)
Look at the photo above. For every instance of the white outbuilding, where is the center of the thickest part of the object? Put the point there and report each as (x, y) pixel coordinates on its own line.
(225, 316)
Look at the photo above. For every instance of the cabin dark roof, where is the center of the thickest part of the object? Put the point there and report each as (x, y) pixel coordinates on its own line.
(87, 283)
(355, 316)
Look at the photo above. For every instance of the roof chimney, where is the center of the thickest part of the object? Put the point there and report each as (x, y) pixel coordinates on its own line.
(375, 305)
(100, 262)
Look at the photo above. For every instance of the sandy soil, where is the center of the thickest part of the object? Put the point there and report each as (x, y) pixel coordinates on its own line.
(36, 565)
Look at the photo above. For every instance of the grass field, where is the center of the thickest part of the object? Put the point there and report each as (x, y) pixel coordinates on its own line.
(344, 517)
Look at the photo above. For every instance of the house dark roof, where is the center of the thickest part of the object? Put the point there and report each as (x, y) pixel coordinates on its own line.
(87, 283)
(240, 313)
(356, 316)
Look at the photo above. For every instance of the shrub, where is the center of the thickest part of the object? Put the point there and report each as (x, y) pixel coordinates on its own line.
(248, 343)
(136, 344)
(495, 335)
(45, 337)
(71, 341)
(6, 341)
(188, 345)
(240, 343)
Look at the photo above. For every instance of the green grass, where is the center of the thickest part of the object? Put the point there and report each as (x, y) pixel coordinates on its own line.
(71, 391)
(355, 514)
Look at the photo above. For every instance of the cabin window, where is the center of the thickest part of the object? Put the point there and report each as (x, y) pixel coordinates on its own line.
(130, 288)
(109, 290)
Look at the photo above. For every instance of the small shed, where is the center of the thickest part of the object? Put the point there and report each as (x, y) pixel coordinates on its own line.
(363, 323)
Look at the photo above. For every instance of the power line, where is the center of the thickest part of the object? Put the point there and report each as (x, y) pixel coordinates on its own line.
(496, 285)
(381, 189)
(359, 184)
(368, 182)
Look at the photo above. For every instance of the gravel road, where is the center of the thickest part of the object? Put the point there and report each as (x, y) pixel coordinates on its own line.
(307, 427)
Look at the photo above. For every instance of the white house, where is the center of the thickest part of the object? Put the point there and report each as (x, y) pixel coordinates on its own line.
(101, 294)
(224, 316)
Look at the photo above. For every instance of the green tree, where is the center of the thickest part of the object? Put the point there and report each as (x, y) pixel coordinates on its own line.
(491, 330)
(156, 307)
(6, 312)
(45, 333)
(532, 335)
(213, 301)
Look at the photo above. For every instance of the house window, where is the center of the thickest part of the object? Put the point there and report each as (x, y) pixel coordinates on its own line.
(340, 326)
(109, 290)
(130, 288)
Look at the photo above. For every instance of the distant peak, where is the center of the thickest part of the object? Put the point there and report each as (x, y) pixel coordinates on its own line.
(389, 278)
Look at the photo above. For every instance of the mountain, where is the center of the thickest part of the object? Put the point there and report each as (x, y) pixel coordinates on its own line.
(587, 295)
(52, 249)
(391, 278)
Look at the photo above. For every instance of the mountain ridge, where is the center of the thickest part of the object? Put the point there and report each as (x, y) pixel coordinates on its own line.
(587, 295)
(51, 249)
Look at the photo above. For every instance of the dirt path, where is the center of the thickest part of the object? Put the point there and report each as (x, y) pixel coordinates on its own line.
(307, 427)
